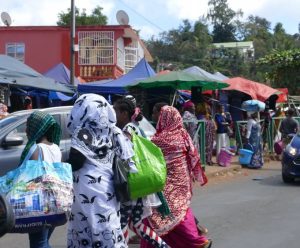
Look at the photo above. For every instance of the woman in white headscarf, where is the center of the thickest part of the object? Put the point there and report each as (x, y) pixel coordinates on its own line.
(95, 215)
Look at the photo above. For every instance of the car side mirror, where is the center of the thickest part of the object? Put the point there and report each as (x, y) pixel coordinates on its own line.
(13, 140)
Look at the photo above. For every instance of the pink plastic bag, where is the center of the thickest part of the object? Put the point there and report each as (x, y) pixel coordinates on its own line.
(278, 147)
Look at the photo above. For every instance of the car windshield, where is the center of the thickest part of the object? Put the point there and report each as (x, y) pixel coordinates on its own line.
(8, 120)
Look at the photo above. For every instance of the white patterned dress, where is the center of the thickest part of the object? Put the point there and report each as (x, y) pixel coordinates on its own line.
(95, 215)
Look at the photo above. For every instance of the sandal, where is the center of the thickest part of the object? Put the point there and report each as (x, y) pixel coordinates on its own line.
(202, 229)
(207, 244)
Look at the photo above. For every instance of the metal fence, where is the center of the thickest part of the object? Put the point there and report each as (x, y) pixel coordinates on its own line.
(271, 133)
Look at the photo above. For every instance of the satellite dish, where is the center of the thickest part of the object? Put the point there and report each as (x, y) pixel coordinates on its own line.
(122, 17)
(5, 17)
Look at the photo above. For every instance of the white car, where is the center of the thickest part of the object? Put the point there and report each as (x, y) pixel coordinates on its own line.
(13, 135)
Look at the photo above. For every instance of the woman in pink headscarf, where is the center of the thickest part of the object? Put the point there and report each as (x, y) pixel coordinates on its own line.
(179, 229)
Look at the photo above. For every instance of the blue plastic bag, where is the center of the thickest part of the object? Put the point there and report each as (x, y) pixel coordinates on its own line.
(39, 192)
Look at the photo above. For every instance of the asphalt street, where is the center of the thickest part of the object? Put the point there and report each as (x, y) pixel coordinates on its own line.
(241, 210)
(253, 209)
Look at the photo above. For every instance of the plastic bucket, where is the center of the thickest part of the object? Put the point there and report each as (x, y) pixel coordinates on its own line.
(224, 158)
(245, 156)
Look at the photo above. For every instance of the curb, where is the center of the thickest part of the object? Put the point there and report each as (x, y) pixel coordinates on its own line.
(218, 170)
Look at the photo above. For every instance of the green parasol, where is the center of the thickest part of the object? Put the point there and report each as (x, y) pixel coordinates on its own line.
(180, 80)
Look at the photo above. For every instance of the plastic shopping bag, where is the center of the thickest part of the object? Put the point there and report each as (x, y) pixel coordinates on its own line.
(151, 165)
(40, 194)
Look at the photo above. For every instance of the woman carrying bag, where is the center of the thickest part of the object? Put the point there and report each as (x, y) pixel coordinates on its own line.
(95, 215)
(44, 131)
(179, 229)
(133, 212)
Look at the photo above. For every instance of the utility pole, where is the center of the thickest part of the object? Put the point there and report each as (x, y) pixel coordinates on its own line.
(72, 43)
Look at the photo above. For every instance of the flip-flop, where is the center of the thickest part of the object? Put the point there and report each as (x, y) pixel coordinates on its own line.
(209, 244)
(202, 229)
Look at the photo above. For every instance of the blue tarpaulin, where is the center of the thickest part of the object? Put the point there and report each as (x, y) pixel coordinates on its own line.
(140, 71)
(60, 96)
(17, 74)
(60, 73)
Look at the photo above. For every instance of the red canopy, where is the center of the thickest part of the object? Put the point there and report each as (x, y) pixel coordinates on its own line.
(163, 72)
(284, 96)
(256, 90)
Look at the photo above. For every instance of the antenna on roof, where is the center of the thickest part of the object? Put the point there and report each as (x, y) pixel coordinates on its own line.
(5, 17)
(122, 17)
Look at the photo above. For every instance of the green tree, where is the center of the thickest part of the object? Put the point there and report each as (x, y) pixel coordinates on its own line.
(185, 46)
(230, 62)
(223, 20)
(82, 19)
(282, 40)
(258, 30)
(282, 69)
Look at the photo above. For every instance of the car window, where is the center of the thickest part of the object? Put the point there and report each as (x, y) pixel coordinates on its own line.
(63, 124)
(19, 131)
(57, 119)
(9, 119)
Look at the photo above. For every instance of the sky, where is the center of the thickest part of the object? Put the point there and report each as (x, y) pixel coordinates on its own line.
(151, 17)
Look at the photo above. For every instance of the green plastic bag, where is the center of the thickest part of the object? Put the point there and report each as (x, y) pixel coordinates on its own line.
(151, 165)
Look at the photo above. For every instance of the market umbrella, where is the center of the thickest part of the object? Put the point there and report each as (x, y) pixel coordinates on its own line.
(180, 80)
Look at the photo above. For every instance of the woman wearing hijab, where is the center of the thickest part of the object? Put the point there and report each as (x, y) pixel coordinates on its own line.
(134, 211)
(178, 230)
(43, 130)
(254, 139)
(95, 215)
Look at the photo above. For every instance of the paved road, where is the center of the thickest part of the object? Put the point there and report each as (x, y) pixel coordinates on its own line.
(245, 210)
(256, 210)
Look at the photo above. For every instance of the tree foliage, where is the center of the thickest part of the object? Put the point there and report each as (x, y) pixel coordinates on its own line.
(81, 18)
(223, 20)
(186, 46)
(282, 68)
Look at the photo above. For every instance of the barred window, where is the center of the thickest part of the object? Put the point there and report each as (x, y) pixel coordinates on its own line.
(131, 56)
(96, 48)
(16, 50)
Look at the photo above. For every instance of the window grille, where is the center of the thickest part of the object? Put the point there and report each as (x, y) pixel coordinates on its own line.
(121, 54)
(16, 50)
(131, 56)
(96, 48)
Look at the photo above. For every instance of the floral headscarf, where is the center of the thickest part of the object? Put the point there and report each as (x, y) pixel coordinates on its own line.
(169, 129)
(92, 124)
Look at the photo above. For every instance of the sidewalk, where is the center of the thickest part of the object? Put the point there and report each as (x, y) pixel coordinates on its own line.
(216, 170)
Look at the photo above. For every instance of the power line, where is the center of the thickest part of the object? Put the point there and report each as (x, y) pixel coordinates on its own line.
(133, 10)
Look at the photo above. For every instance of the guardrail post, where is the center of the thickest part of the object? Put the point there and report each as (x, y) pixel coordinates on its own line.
(202, 142)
